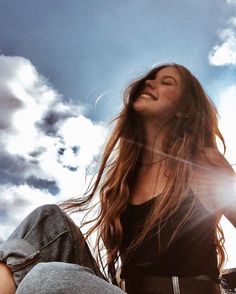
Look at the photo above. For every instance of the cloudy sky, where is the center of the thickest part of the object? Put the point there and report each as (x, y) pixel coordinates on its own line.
(63, 66)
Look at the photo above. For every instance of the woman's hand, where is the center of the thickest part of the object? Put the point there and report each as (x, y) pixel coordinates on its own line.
(7, 284)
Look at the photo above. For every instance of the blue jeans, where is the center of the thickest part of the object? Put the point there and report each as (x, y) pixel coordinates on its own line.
(47, 253)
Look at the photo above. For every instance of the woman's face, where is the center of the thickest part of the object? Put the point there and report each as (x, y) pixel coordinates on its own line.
(160, 96)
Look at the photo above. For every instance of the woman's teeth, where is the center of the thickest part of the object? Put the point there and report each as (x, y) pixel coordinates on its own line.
(148, 96)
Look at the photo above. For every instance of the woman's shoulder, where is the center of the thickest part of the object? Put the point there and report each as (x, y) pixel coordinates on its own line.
(212, 161)
(213, 179)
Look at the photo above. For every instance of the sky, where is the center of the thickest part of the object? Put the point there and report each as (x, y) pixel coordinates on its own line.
(63, 68)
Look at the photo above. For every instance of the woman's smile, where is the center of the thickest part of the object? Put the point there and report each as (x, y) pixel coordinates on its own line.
(148, 96)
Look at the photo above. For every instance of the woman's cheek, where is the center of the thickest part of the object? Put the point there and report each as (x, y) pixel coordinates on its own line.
(172, 94)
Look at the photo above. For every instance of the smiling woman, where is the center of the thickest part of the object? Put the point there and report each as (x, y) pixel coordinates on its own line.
(163, 187)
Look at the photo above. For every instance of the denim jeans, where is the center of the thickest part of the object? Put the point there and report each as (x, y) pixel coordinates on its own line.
(47, 253)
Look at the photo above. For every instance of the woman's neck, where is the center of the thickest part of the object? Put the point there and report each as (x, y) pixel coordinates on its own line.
(153, 143)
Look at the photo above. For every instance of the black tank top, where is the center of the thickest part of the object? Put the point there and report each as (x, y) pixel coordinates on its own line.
(192, 252)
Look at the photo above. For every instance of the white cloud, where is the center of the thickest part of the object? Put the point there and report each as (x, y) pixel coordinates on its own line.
(81, 131)
(224, 53)
(47, 145)
(231, 1)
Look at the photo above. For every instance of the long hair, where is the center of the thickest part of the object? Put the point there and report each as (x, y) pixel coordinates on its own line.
(195, 129)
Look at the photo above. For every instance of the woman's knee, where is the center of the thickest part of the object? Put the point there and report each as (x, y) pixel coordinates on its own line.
(50, 277)
(49, 212)
(45, 222)
(43, 216)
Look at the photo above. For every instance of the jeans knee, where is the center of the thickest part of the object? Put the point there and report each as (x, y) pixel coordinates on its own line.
(57, 268)
(43, 268)
(46, 220)
(41, 279)
(36, 280)
(47, 209)
(52, 277)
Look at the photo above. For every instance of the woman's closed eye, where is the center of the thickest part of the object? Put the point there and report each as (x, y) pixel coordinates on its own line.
(168, 82)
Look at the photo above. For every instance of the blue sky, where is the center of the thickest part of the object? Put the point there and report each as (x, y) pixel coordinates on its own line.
(63, 67)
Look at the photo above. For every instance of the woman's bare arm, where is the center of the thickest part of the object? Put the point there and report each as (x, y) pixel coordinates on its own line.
(7, 284)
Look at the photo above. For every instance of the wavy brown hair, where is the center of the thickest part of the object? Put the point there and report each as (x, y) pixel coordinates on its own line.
(196, 129)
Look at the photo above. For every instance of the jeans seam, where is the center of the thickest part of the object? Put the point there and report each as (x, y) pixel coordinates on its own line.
(35, 256)
(54, 239)
(67, 224)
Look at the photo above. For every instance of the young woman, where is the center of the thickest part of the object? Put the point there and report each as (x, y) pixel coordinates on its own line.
(163, 187)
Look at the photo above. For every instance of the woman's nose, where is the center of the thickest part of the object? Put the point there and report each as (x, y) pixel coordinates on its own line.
(150, 84)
